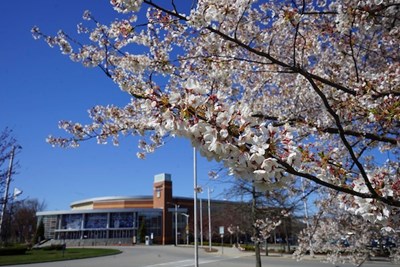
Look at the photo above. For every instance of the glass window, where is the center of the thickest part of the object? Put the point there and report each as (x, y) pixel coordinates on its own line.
(95, 220)
(71, 221)
(152, 220)
(158, 192)
(122, 220)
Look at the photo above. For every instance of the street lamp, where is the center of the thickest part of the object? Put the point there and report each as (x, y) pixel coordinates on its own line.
(201, 218)
(196, 245)
(209, 222)
(16, 193)
(187, 227)
(8, 180)
(176, 222)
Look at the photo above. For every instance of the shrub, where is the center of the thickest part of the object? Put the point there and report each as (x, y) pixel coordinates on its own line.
(19, 250)
(54, 247)
(247, 247)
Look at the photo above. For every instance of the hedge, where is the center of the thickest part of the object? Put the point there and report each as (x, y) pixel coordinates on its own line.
(13, 250)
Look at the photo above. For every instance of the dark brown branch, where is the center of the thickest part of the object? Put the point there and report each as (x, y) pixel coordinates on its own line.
(352, 49)
(370, 136)
(226, 37)
(342, 136)
(343, 189)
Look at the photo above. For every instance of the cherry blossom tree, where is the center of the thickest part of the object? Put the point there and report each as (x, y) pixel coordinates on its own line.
(275, 90)
(346, 237)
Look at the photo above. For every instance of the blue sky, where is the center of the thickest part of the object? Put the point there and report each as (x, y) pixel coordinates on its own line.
(39, 87)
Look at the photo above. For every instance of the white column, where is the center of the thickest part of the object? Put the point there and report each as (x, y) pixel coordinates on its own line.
(201, 222)
(196, 245)
(209, 222)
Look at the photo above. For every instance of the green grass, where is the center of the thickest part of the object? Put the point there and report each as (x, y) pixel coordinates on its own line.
(34, 256)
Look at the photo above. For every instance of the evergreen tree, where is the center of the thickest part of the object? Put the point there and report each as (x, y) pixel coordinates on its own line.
(39, 236)
(142, 231)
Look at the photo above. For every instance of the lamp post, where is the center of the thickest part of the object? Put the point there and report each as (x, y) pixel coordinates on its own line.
(196, 245)
(209, 222)
(8, 180)
(201, 218)
(176, 222)
(187, 227)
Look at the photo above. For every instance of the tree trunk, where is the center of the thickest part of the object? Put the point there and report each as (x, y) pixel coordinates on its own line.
(286, 235)
(256, 234)
(258, 254)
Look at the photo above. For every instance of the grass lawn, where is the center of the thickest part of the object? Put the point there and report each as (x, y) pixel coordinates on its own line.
(34, 256)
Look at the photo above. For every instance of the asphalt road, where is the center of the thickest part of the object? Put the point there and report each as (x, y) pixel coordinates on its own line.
(170, 256)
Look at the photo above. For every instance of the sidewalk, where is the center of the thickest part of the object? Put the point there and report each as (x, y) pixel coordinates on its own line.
(235, 252)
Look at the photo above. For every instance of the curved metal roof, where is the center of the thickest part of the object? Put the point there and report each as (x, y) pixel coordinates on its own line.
(109, 198)
(62, 212)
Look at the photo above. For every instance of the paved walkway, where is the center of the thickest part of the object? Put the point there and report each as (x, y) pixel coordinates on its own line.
(182, 256)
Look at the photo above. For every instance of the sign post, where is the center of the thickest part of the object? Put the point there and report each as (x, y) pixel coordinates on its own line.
(221, 232)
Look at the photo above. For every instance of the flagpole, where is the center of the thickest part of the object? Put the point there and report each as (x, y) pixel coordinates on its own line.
(196, 245)
(209, 223)
(5, 198)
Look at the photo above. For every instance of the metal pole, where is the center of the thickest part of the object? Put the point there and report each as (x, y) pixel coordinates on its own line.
(196, 245)
(209, 222)
(222, 244)
(176, 224)
(187, 231)
(201, 223)
(5, 198)
(187, 227)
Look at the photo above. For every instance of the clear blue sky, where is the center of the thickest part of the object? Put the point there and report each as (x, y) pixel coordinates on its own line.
(39, 87)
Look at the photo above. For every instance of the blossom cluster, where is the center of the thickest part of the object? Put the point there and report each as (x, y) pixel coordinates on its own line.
(344, 236)
(265, 227)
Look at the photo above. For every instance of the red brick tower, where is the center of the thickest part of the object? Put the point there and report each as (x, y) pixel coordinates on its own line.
(162, 199)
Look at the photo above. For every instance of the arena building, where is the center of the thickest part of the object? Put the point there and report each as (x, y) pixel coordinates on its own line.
(126, 220)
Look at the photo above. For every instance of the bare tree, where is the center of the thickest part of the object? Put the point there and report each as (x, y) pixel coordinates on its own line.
(23, 222)
(7, 142)
(8, 149)
(265, 207)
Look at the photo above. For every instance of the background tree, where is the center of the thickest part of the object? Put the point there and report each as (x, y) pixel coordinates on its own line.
(39, 234)
(9, 148)
(342, 235)
(271, 212)
(268, 203)
(23, 220)
(20, 221)
(142, 230)
(7, 142)
(276, 90)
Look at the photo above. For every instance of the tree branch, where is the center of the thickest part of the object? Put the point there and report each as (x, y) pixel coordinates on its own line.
(226, 37)
(370, 136)
(343, 137)
(347, 190)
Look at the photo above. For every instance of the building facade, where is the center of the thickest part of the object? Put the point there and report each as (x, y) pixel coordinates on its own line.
(161, 218)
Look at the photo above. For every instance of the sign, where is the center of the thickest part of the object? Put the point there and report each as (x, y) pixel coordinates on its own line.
(221, 230)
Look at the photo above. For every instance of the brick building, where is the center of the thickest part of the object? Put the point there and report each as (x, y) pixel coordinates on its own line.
(124, 220)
